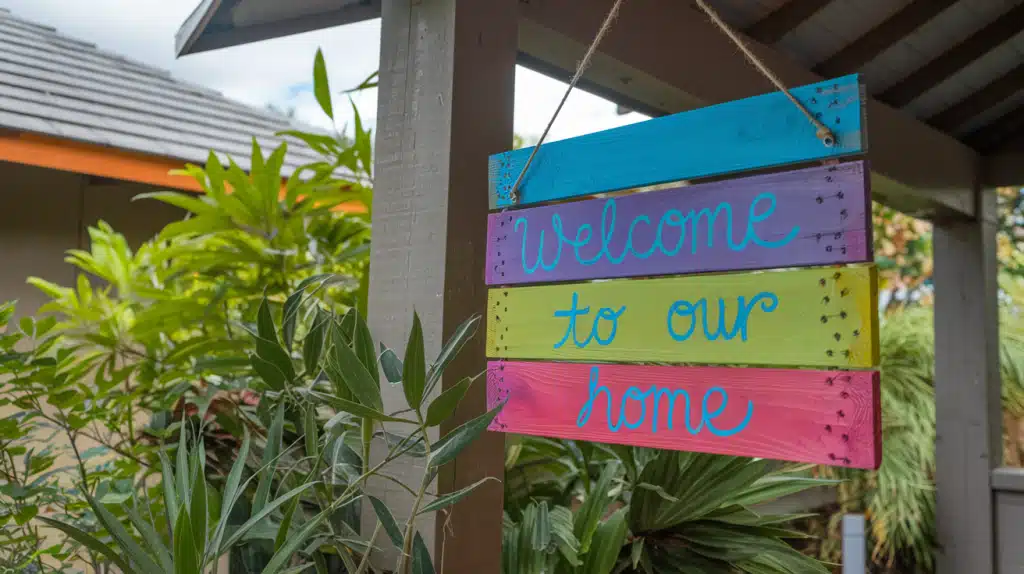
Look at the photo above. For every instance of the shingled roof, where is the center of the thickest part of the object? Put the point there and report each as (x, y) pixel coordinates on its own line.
(55, 85)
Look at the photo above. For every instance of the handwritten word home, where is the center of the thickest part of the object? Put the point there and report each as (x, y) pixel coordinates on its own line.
(614, 244)
(659, 403)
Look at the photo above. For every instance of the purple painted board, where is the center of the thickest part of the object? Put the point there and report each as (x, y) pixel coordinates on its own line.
(812, 216)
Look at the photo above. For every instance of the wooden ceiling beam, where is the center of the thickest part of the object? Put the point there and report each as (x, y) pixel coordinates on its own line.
(997, 132)
(945, 65)
(680, 47)
(995, 92)
(783, 20)
(882, 37)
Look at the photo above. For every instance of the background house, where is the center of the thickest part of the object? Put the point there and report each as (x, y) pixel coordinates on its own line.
(83, 130)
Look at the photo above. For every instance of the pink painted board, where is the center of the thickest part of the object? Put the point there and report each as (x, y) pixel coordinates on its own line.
(811, 216)
(826, 417)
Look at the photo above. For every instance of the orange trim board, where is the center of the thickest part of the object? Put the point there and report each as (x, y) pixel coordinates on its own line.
(90, 159)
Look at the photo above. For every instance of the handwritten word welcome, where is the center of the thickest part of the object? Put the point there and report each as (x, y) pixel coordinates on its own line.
(672, 218)
(656, 394)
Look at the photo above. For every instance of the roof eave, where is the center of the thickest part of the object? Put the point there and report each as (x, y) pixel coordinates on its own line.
(210, 28)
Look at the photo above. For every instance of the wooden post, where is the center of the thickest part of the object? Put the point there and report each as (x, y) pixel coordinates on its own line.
(967, 388)
(447, 80)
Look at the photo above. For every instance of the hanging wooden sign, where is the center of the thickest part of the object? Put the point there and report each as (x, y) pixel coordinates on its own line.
(765, 278)
(752, 133)
(824, 417)
(810, 216)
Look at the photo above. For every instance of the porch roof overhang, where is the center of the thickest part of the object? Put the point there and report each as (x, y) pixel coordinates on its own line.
(945, 78)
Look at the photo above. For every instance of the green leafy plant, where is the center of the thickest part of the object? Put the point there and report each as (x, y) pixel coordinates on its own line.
(198, 534)
(595, 509)
(899, 498)
(337, 379)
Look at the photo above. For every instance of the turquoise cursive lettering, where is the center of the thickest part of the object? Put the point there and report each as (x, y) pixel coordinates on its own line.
(589, 247)
(656, 392)
(759, 217)
(699, 311)
(575, 311)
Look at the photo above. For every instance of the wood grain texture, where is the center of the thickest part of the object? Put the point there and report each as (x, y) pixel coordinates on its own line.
(955, 59)
(445, 104)
(812, 416)
(813, 216)
(819, 317)
(883, 36)
(762, 131)
(784, 20)
(968, 406)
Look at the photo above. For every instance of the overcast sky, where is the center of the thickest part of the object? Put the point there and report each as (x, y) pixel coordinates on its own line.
(279, 71)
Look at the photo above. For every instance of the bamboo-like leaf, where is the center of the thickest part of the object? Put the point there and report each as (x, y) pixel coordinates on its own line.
(608, 541)
(636, 552)
(421, 561)
(181, 471)
(451, 349)
(269, 456)
(186, 559)
(286, 524)
(268, 346)
(170, 494)
(354, 375)
(365, 348)
(594, 506)
(362, 411)
(369, 82)
(414, 365)
(313, 344)
(258, 517)
(271, 375)
(231, 490)
(198, 510)
(90, 542)
(321, 87)
(289, 316)
(153, 541)
(446, 449)
(390, 364)
(451, 498)
(135, 554)
(387, 520)
(311, 432)
(444, 406)
(281, 557)
(188, 202)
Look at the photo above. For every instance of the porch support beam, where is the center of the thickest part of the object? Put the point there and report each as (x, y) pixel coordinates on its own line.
(783, 20)
(967, 388)
(1004, 169)
(882, 37)
(446, 92)
(678, 46)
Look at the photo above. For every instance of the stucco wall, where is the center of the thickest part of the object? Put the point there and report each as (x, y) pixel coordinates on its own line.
(43, 213)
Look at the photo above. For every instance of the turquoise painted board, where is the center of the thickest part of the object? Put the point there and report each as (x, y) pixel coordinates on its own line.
(762, 131)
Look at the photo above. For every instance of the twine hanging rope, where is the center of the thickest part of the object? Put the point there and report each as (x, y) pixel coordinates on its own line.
(514, 195)
(823, 132)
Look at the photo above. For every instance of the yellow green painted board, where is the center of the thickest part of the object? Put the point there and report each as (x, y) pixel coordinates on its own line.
(806, 317)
